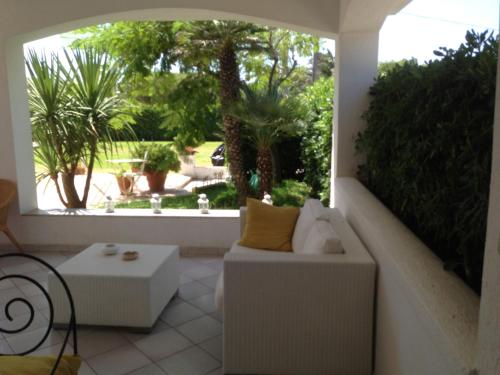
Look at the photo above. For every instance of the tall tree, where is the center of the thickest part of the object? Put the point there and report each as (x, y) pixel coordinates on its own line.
(201, 46)
(267, 115)
(71, 110)
(221, 41)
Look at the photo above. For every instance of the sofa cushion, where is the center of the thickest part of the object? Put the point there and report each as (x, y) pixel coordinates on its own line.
(268, 227)
(308, 214)
(322, 239)
(238, 249)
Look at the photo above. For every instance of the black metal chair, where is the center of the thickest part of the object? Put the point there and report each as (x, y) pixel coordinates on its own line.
(72, 322)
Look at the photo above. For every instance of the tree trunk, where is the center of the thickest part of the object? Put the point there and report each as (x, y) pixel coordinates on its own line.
(265, 166)
(90, 169)
(72, 198)
(58, 189)
(230, 93)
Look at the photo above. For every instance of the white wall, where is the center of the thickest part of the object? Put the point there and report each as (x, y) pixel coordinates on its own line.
(426, 317)
(489, 326)
(186, 228)
(356, 61)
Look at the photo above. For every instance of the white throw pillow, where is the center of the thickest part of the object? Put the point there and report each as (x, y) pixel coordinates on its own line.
(308, 214)
(322, 239)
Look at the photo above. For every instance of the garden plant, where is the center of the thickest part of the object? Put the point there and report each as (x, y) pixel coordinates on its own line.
(428, 146)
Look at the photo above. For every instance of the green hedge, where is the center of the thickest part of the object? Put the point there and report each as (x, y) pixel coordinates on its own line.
(428, 146)
(316, 144)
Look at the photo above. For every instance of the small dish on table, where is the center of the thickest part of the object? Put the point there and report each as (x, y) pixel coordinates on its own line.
(130, 255)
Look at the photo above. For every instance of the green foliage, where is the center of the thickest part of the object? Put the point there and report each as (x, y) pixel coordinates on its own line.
(317, 137)
(138, 45)
(428, 146)
(278, 66)
(267, 116)
(73, 101)
(224, 196)
(160, 157)
(149, 124)
(194, 111)
(386, 67)
(291, 193)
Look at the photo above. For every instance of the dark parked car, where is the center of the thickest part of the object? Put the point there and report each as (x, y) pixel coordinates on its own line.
(218, 156)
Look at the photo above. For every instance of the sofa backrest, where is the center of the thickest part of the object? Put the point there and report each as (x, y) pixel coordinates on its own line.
(355, 250)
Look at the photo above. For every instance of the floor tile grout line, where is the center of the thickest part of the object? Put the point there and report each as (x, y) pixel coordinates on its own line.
(170, 355)
(140, 368)
(210, 354)
(105, 352)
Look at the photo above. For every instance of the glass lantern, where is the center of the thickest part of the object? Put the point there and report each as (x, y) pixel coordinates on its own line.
(156, 204)
(267, 199)
(203, 203)
(109, 205)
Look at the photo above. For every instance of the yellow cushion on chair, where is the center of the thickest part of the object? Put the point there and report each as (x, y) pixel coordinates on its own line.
(268, 227)
(27, 365)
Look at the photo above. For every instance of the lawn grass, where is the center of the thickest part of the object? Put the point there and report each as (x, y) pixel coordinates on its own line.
(184, 201)
(123, 150)
(289, 193)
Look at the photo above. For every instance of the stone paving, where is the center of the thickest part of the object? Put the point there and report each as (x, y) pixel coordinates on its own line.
(186, 340)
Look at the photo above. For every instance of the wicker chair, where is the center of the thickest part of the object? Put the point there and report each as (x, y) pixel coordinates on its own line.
(7, 193)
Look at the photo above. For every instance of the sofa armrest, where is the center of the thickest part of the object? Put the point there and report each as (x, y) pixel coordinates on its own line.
(292, 313)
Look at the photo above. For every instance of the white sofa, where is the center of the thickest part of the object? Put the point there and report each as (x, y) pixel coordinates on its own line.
(290, 313)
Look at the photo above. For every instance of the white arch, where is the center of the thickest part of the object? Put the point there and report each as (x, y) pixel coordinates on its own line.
(26, 32)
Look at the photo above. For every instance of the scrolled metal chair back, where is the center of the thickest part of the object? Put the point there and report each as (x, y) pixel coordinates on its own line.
(72, 322)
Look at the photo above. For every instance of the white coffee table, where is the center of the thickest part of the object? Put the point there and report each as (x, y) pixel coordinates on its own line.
(109, 291)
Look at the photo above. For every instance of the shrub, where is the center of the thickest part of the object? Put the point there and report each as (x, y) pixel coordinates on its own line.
(149, 125)
(224, 196)
(428, 147)
(291, 193)
(160, 158)
(317, 137)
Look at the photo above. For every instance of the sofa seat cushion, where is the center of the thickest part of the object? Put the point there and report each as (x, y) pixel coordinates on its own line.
(268, 227)
(308, 214)
(239, 249)
(32, 365)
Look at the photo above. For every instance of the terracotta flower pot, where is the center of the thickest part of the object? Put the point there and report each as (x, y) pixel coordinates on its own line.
(124, 183)
(156, 181)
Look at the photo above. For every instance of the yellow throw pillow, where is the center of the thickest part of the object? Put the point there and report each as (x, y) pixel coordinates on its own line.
(268, 227)
(27, 365)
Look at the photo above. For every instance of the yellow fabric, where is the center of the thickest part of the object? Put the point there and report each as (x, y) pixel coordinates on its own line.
(28, 365)
(268, 227)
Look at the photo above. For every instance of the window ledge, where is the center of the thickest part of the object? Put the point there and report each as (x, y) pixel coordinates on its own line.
(127, 212)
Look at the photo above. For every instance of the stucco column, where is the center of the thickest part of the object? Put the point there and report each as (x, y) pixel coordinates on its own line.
(489, 317)
(21, 125)
(7, 152)
(356, 60)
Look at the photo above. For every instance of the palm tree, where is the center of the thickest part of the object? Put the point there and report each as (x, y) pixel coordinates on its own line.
(267, 116)
(71, 109)
(221, 41)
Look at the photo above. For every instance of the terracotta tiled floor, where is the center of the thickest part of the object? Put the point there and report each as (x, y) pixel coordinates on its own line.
(186, 340)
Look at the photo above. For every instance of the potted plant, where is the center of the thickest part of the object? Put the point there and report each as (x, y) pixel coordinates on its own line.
(124, 182)
(161, 160)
